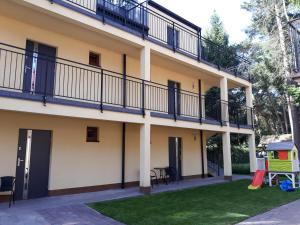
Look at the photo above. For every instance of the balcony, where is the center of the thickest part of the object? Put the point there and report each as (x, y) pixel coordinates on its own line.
(33, 76)
(149, 21)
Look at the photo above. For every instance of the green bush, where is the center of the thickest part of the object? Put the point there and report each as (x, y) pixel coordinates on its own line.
(241, 168)
(239, 154)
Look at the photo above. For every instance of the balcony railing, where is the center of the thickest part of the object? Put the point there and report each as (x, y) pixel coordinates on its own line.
(158, 28)
(240, 115)
(30, 74)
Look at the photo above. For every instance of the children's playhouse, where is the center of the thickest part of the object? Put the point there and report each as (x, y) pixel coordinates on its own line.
(283, 157)
(283, 160)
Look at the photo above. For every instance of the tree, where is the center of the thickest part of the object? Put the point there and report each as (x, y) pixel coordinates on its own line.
(272, 58)
(295, 2)
(216, 45)
(216, 32)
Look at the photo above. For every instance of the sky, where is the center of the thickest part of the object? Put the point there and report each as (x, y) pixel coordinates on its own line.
(234, 18)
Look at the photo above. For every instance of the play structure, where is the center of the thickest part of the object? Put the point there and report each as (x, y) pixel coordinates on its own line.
(282, 159)
(258, 180)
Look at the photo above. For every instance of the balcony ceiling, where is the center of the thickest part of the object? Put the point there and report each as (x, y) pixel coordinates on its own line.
(57, 24)
(180, 67)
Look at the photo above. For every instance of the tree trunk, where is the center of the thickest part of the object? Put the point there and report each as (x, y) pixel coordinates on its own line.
(285, 120)
(284, 58)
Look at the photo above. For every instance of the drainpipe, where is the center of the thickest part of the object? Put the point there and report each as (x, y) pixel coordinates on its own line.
(123, 154)
(202, 153)
(124, 124)
(124, 79)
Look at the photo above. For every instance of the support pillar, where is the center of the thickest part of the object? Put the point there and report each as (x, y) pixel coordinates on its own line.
(145, 184)
(252, 152)
(145, 63)
(224, 98)
(227, 156)
(202, 95)
(204, 143)
(145, 129)
(249, 104)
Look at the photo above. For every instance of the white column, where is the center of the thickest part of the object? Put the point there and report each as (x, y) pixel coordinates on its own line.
(205, 153)
(145, 63)
(224, 97)
(145, 60)
(203, 107)
(145, 129)
(202, 99)
(252, 152)
(227, 156)
(249, 103)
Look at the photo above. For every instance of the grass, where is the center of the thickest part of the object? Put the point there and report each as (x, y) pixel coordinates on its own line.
(226, 203)
(241, 168)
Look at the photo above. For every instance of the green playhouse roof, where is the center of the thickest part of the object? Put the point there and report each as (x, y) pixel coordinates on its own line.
(286, 145)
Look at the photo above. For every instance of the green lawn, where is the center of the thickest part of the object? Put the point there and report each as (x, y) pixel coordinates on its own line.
(227, 203)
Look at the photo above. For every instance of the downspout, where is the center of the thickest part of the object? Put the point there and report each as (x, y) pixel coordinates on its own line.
(202, 153)
(123, 154)
(123, 124)
(200, 101)
(124, 79)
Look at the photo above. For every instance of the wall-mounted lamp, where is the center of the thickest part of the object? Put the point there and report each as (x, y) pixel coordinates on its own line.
(195, 135)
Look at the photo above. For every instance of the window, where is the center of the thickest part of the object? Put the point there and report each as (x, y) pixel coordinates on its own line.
(94, 59)
(92, 134)
(283, 155)
(275, 155)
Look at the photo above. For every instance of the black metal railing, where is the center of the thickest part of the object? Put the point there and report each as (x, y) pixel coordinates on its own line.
(31, 73)
(89, 5)
(215, 159)
(159, 28)
(240, 115)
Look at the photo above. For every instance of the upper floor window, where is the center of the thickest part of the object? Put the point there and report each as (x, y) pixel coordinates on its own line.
(94, 59)
(172, 36)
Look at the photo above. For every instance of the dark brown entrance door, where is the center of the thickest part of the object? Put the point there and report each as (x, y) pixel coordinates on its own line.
(175, 145)
(32, 169)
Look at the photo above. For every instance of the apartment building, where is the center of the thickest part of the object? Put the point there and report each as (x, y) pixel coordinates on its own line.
(94, 94)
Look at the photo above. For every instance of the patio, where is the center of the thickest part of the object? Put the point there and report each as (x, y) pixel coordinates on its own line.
(71, 208)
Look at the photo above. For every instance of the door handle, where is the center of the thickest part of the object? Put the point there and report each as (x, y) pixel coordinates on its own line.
(26, 173)
(19, 161)
(27, 68)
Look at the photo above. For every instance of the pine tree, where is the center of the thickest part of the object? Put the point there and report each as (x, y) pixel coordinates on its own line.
(216, 45)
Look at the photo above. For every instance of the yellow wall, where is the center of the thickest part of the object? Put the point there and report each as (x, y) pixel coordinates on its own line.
(16, 33)
(76, 163)
(76, 83)
(162, 75)
(191, 156)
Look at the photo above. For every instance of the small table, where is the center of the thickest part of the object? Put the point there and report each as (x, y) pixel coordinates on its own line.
(290, 175)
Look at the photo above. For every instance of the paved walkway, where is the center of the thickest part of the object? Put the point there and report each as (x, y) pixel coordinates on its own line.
(284, 215)
(71, 209)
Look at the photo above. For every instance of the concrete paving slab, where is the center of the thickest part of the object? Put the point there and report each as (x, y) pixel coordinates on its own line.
(72, 209)
(284, 215)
